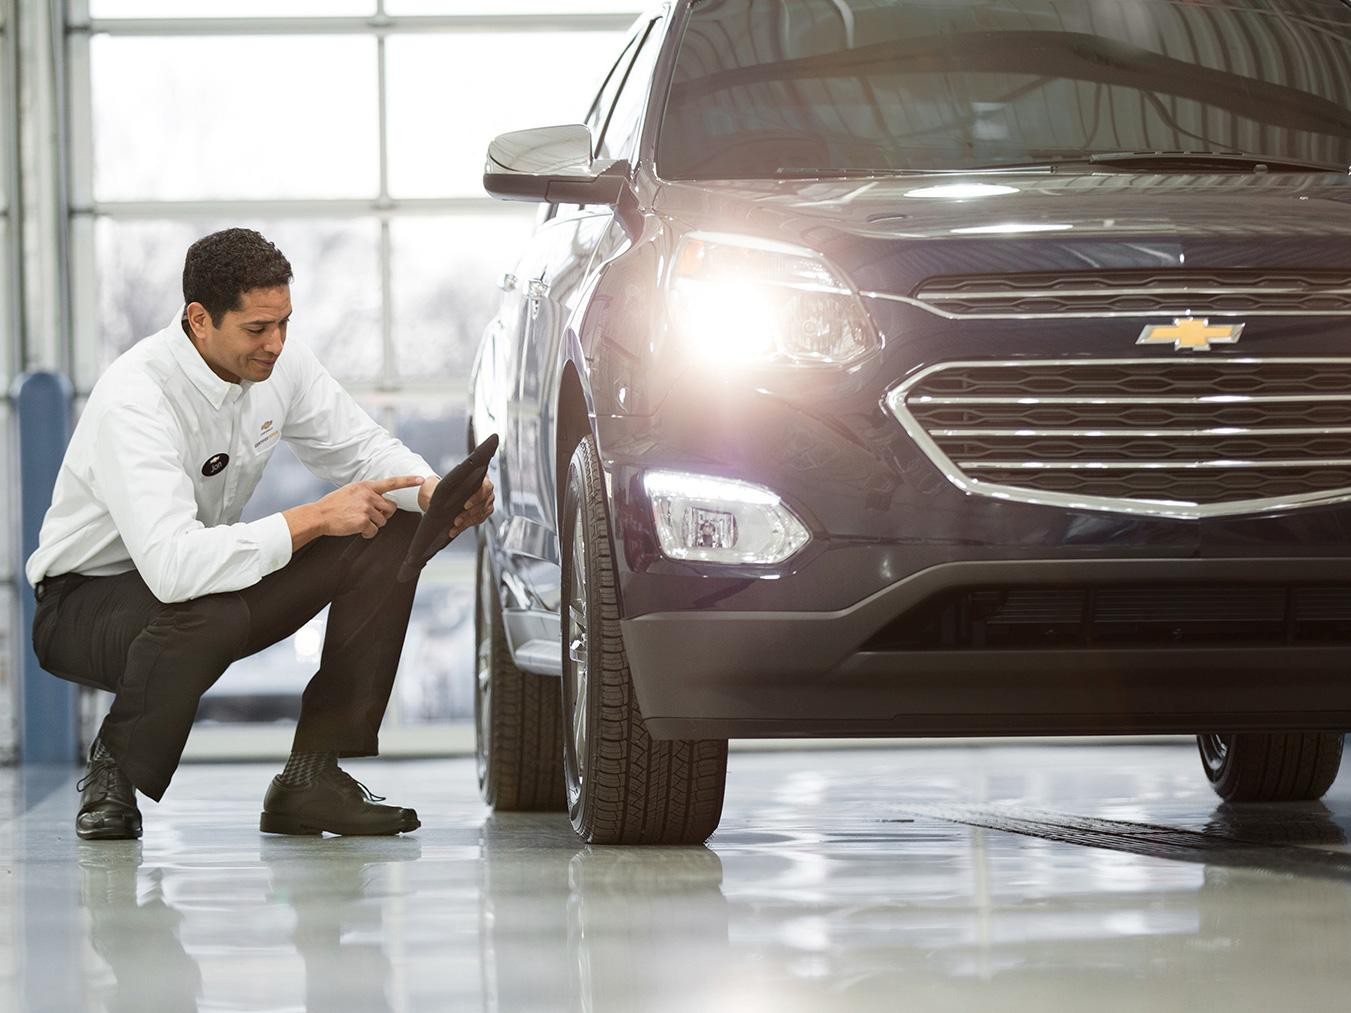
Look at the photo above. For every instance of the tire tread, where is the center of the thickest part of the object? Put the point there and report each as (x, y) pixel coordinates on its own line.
(525, 761)
(1278, 766)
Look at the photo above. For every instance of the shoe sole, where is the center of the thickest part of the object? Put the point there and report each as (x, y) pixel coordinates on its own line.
(278, 823)
(109, 833)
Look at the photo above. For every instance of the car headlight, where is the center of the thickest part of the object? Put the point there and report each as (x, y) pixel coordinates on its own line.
(739, 300)
(721, 520)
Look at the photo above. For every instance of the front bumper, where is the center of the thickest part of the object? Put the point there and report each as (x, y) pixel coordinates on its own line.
(734, 674)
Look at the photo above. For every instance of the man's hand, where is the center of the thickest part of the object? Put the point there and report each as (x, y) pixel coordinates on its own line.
(477, 510)
(362, 508)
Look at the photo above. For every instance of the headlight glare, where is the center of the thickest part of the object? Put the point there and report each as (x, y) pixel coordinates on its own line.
(738, 300)
(721, 520)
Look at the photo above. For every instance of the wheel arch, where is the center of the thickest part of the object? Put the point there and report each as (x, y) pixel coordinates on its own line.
(574, 424)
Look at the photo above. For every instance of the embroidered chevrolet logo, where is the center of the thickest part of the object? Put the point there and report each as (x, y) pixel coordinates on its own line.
(266, 426)
(1191, 334)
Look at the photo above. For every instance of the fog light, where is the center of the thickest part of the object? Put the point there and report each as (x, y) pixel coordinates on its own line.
(721, 520)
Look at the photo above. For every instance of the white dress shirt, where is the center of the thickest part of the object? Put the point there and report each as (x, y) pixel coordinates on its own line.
(145, 484)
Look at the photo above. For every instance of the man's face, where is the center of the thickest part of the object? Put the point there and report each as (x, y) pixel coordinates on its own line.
(249, 340)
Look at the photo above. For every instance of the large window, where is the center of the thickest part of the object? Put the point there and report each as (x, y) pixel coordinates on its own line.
(8, 362)
(355, 141)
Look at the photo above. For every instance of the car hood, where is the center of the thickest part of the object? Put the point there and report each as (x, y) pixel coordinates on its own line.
(890, 234)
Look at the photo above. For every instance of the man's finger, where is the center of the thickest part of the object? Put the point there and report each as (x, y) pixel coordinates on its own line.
(476, 511)
(484, 493)
(377, 517)
(384, 485)
(381, 504)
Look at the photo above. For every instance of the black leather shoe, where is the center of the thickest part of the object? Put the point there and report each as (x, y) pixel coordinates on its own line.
(334, 802)
(108, 809)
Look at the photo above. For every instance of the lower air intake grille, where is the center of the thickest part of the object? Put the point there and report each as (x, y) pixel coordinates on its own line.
(1135, 615)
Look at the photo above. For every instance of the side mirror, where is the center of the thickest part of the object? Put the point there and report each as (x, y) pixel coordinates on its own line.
(552, 164)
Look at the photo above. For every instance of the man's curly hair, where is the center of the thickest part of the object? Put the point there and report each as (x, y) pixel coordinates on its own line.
(221, 267)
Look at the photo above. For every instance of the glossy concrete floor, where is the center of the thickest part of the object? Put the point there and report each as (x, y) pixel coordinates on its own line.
(947, 878)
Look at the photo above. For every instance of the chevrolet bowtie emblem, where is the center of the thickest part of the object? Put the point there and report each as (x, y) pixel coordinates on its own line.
(1190, 333)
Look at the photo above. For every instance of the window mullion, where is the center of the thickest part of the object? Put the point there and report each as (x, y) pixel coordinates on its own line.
(389, 367)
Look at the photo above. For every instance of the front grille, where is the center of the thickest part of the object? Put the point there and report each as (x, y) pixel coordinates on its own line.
(1139, 293)
(1010, 618)
(1178, 438)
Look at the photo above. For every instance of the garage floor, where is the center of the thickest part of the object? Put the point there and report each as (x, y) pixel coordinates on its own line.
(946, 878)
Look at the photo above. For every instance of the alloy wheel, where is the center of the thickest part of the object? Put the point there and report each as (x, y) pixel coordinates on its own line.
(483, 686)
(1214, 751)
(577, 668)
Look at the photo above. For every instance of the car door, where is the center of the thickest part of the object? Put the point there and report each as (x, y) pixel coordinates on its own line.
(560, 260)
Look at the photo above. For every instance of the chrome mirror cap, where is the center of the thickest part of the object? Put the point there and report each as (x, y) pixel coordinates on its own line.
(550, 164)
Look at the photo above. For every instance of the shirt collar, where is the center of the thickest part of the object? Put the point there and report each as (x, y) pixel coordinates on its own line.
(185, 353)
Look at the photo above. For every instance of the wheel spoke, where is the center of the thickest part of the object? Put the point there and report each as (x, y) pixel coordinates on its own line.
(578, 645)
(483, 675)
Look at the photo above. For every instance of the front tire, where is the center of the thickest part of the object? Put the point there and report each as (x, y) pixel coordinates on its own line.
(623, 786)
(517, 732)
(1266, 767)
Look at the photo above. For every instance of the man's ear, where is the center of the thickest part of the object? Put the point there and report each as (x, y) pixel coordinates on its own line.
(198, 319)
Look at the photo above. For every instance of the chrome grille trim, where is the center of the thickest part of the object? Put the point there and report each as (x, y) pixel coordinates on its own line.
(1215, 399)
(1133, 293)
(1217, 465)
(1153, 313)
(970, 476)
(1150, 433)
(1085, 293)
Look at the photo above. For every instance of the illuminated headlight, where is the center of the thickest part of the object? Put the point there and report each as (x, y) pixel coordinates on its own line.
(738, 300)
(721, 520)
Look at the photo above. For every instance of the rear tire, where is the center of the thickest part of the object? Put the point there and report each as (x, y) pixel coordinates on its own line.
(623, 786)
(517, 731)
(1270, 767)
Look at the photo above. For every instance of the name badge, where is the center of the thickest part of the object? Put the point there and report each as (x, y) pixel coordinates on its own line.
(215, 464)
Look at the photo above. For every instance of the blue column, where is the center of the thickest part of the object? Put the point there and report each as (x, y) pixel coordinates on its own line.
(48, 706)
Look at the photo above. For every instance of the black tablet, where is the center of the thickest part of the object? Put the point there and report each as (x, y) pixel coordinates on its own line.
(433, 532)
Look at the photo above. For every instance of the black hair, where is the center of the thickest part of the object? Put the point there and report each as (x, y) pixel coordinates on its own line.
(221, 267)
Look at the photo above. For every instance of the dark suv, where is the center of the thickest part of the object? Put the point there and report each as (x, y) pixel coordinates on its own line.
(910, 368)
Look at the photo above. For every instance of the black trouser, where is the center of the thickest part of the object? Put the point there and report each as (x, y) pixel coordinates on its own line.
(112, 633)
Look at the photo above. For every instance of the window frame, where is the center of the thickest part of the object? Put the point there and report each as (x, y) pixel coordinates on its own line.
(646, 36)
(627, 51)
(85, 211)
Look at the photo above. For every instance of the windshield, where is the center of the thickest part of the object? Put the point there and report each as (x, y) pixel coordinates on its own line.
(783, 87)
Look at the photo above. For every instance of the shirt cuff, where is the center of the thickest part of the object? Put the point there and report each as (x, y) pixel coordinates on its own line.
(406, 499)
(274, 543)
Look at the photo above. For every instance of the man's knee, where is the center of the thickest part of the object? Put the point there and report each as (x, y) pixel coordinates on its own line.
(403, 524)
(397, 534)
(376, 559)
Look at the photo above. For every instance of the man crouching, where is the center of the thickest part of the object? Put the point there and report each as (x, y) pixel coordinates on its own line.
(149, 586)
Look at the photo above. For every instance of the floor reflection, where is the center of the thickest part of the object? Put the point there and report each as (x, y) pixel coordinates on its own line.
(593, 929)
(339, 935)
(1302, 823)
(944, 880)
(134, 931)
